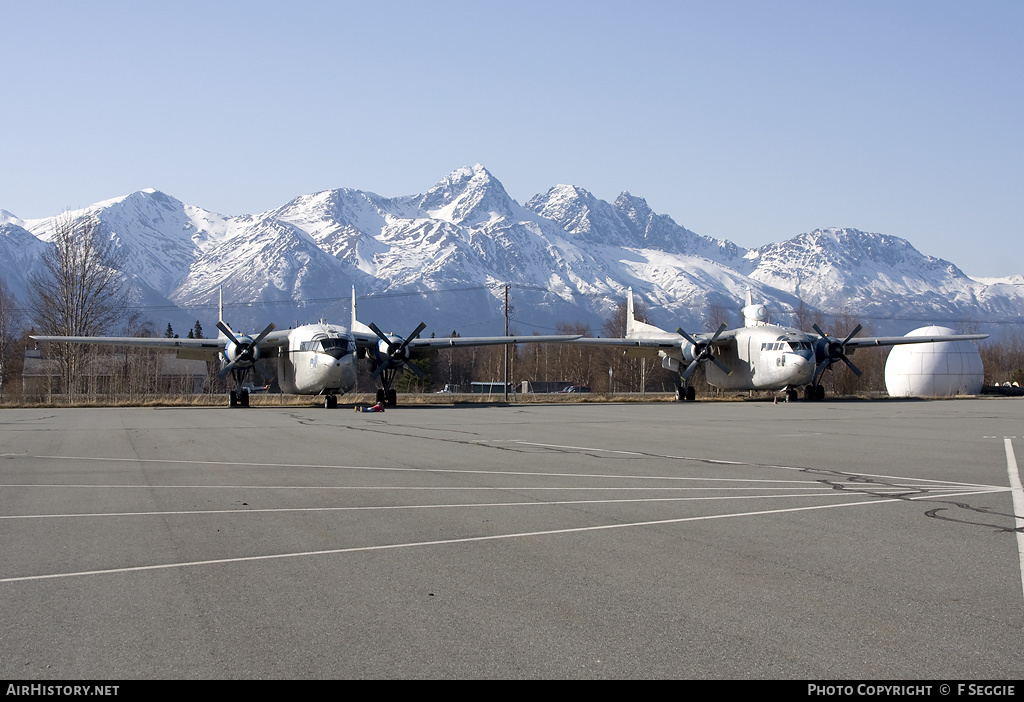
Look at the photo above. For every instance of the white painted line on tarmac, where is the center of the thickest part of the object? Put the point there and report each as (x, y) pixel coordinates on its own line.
(444, 542)
(811, 485)
(909, 482)
(404, 470)
(370, 508)
(1017, 492)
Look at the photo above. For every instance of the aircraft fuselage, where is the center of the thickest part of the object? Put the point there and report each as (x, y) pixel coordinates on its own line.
(319, 359)
(765, 357)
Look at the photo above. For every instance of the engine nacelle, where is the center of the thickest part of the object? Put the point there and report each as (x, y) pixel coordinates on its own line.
(688, 351)
(392, 348)
(244, 354)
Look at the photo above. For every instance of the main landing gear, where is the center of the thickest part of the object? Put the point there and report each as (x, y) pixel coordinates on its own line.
(814, 392)
(685, 393)
(239, 397)
(388, 398)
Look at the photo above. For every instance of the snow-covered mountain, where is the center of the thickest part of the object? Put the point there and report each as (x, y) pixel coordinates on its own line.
(443, 257)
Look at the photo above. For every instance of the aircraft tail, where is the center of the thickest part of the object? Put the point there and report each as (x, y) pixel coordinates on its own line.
(753, 315)
(634, 327)
(220, 311)
(356, 324)
(630, 315)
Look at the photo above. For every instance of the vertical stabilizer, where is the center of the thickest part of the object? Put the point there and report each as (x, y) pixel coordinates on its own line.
(357, 326)
(630, 318)
(635, 329)
(220, 309)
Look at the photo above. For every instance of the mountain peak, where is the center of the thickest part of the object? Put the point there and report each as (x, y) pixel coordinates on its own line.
(574, 252)
(8, 218)
(467, 195)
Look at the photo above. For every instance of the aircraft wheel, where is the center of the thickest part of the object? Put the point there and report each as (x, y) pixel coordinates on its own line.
(809, 393)
(680, 395)
(381, 396)
(819, 392)
(691, 393)
(331, 402)
(243, 398)
(392, 397)
(791, 396)
(232, 399)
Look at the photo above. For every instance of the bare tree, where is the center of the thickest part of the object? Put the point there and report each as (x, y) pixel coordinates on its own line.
(718, 314)
(805, 317)
(79, 290)
(10, 327)
(870, 361)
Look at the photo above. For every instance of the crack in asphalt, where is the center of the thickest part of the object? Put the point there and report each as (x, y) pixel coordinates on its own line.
(872, 486)
(918, 495)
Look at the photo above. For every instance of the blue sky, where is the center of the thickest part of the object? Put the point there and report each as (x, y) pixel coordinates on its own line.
(749, 121)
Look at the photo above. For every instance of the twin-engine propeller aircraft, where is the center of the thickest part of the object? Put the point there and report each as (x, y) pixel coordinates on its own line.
(313, 359)
(757, 356)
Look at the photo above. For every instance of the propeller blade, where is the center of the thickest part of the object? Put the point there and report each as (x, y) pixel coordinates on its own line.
(416, 369)
(228, 333)
(222, 373)
(855, 331)
(816, 328)
(721, 366)
(820, 368)
(376, 330)
(263, 335)
(680, 332)
(379, 369)
(848, 362)
(412, 336)
(685, 375)
(717, 333)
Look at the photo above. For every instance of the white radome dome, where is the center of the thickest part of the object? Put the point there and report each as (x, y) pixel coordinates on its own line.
(939, 369)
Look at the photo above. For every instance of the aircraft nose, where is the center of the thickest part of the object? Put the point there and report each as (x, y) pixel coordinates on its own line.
(800, 365)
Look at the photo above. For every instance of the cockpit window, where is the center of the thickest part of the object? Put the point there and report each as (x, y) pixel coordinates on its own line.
(338, 347)
(331, 344)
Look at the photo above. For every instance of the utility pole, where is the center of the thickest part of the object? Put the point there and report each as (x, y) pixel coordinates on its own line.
(506, 345)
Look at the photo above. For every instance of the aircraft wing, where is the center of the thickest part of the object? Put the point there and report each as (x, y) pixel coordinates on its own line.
(451, 342)
(860, 342)
(666, 340)
(421, 347)
(186, 348)
(199, 349)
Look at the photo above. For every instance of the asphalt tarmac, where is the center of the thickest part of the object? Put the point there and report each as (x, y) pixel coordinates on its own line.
(821, 541)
